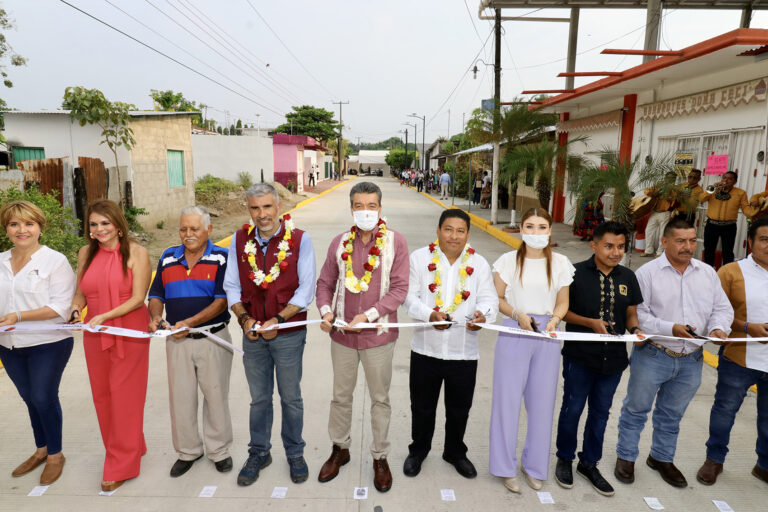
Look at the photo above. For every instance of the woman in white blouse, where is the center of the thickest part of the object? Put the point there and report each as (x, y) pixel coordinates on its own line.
(532, 284)
(36, 285)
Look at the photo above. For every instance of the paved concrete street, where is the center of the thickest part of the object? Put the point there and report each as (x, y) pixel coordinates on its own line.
(415, 217)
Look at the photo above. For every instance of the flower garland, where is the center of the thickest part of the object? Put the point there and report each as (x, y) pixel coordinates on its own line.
(435, 286)
(351, 282)
(258, 276)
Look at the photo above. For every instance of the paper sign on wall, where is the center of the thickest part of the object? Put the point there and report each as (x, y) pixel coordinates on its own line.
(717, 164)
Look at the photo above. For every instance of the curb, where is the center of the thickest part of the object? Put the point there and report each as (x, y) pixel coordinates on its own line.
(226, 241)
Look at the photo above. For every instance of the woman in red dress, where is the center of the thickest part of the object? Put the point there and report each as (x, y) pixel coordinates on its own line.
(113, 275)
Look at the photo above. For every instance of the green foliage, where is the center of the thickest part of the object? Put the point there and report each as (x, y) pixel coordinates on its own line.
(622, 178)
(176, 102)
(132, 216)
(314, 122)
(291, 185)
(209, 189)
(60, 232)
(397, 159)
(90, 106)
(244, 180)
(14, 59)
(220, 130)
(160, 225)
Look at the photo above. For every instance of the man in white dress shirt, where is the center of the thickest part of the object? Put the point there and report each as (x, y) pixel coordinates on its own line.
(682, 297)
(448, 281)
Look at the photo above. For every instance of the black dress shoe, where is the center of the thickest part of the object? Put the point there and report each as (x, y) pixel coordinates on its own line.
(668, 472)
(224, 465)
(412, 465)
(182, 466)
(463, 466)
(564, 473)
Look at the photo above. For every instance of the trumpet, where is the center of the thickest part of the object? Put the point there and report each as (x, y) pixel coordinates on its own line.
(716, 186)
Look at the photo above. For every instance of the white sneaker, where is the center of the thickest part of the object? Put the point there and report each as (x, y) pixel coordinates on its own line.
(533, 483)
(512, 484)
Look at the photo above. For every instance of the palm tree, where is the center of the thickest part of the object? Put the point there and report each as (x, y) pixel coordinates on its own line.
(624, 178)
(541, 158)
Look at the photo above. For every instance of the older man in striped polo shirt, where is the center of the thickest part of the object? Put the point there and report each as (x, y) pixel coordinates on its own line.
(189, 283)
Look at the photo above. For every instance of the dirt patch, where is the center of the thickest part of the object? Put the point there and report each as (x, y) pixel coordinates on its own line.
(228, 213)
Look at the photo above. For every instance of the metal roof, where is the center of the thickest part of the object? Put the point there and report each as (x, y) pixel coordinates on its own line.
(623, 4)
(134, 113)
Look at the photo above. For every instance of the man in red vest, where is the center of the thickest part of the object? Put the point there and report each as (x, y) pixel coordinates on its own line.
(367, 269)
(270, 279)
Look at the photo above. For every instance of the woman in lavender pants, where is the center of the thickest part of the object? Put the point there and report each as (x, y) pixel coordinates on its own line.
(532, 284)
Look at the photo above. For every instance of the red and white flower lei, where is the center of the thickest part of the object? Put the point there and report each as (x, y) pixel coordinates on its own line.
(351, 282)
(258, 276)
(435, 286)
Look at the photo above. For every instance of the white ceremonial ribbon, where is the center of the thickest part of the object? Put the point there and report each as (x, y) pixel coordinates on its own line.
(116, 331)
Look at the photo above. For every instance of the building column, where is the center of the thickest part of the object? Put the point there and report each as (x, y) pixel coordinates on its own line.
(558, 198)
(627, 127)
(573, 35)
(746, 17)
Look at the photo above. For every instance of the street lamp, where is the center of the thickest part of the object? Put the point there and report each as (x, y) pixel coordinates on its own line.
(423, 131)
(474, 69)
(415, 137)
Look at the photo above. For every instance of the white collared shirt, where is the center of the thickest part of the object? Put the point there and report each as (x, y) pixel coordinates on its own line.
(46, 280)
(456, 342)
(694, 298)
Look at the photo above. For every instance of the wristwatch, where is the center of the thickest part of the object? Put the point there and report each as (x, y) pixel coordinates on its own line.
(280, 319)
(242, 318)
(633, 329)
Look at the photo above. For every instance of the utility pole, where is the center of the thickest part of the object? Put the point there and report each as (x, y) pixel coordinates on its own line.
(496, 120)
(423, 132)
(258, 124)
(339, 156)
(449, 125)
(406, 144)
(415, 137)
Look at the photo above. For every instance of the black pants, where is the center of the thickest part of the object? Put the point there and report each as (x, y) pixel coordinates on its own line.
(726, 234)
(419, 185)
(426, 379)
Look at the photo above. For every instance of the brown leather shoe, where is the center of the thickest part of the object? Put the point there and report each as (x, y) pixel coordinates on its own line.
(339, 457)
(52, 470)
(760, 473)
(624, 471)
(382, 476)
(708, 472)
(28, 465)
(668, 472)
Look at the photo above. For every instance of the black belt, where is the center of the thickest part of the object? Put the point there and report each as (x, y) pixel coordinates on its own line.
(199, 335)
(720, 222)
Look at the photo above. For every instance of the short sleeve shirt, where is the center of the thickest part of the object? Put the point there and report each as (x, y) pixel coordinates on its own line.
(533, 294)
(186, 292)
(596, 295)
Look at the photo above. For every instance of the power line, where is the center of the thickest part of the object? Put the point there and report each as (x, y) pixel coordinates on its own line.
(472, 19)
(288, 49)
(172, 59)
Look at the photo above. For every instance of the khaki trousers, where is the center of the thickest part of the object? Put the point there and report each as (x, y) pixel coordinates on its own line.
(203, 363)
(377, 365)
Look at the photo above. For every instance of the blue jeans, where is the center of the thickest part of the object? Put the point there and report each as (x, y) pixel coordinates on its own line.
(36, 372)
(733, 381)
(265, 361)
(673, 382)
(580, 385)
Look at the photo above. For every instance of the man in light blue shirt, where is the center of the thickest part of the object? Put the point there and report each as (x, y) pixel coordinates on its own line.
(445, 182)
(682, 297)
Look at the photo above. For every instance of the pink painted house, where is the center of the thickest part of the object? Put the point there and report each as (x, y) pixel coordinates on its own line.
(288, 153)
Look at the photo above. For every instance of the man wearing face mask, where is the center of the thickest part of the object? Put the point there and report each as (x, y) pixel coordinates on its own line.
(367, 269)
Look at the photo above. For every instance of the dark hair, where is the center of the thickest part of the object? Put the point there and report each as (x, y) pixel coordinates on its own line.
(695, 170)
(674, 224)
(111, 211)
(614, 228)
(535, 212)
(453, 213)
(735, 176)
(364, 187)
(754, 226)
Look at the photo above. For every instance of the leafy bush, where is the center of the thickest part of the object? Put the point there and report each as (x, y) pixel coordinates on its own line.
(131, 215)
(291, 185)
(209, 189)
(244, 180)
(60, 232)
(160, 225)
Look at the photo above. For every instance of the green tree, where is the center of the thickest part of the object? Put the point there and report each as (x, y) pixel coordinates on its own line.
(239, 127)
(7, 56)
(171, 101)
(397, 159)
(219, 130)
(314, 122)
(90, 106)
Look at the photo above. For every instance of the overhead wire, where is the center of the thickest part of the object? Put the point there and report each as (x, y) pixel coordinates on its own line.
(195, 71)
(289, 50)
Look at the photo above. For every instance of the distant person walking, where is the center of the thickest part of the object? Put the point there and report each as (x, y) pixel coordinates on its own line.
(445, 182)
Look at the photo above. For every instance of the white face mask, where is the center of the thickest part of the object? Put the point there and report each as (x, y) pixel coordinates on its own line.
(536, 241)
(366, 219)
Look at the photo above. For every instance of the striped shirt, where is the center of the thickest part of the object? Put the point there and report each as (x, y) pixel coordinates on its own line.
(187, 292)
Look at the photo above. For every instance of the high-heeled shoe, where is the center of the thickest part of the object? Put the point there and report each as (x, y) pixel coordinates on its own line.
(109, 486)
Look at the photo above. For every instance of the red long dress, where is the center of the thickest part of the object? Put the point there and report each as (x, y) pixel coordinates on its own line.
(117, 366)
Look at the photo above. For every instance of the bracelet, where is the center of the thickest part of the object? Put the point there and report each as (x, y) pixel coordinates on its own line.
(18, 316)
(746, 326)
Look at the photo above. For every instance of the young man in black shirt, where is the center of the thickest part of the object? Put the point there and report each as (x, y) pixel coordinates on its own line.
(603, 299)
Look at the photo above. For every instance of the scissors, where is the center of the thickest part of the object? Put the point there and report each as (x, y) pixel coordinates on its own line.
(689, 330)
